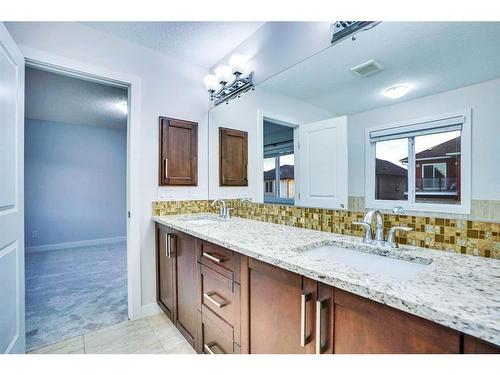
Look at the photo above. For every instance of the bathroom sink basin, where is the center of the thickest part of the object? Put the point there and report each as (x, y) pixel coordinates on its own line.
(375, 264)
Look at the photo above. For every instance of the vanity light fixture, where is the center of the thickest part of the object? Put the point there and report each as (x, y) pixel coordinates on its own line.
(396, 91)
(341, 30)
(229, 81)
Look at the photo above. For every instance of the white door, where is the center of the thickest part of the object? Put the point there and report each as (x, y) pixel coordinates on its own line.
(323, 163)
(12, 339)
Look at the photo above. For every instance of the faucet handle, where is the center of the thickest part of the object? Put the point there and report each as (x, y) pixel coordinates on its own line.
(368, 230)
(392, 234)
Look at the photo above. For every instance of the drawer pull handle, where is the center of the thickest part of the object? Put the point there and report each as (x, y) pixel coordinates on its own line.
(219, 302)
(320, 305)
(213, 258)
(213, 348)
(304, 298)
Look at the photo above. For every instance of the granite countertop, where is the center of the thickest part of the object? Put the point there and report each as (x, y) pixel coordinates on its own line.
(458, 291)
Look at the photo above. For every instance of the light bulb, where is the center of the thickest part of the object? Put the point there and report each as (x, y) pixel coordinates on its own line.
(238, 63)
(396, 91)
(211, 82)
(224, 74)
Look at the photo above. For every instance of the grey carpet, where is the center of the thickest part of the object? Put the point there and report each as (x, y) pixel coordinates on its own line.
(74, 291)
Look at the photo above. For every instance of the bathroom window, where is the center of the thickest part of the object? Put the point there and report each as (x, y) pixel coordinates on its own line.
(422, 165)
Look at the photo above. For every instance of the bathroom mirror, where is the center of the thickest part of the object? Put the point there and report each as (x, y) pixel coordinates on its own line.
(381, 121)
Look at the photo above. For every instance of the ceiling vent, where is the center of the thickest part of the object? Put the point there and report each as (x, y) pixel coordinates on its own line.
(367, 68)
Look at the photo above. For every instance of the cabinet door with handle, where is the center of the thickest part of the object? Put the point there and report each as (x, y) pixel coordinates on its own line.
(178, 152)
(281, 310)
(165, 270)
(186, 272)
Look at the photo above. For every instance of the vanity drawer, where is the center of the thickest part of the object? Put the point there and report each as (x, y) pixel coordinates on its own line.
(221, 296)
(224, 261)
(216, 336)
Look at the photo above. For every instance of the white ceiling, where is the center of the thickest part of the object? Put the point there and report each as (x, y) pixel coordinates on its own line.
(55, 97)
(429, 56)
(200, 43)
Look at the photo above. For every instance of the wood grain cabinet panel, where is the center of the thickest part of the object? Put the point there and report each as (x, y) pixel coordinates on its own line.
(222, 260)
(275, 310)
(222, 297)
(165, 271)
(233, 150)
(186, 293)
(364, 327)
(178, 152)
(476, 346)
(215, 336)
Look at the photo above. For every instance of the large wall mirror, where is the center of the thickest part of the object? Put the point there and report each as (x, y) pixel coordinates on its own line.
(402, 116)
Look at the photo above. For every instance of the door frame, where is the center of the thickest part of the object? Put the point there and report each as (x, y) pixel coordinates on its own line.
(263, 115)
(78, 69)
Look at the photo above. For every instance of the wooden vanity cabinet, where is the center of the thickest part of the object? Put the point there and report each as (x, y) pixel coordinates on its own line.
(176, 279)
(233, 157)
(186, 291)
(178, 153)
(165, 271)
(279, 311)
(362, 326)
(224, 302)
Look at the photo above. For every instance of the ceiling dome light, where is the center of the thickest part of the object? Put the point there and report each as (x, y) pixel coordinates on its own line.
(238, 63)
(396, 91)
(211, 82)
(224, 74)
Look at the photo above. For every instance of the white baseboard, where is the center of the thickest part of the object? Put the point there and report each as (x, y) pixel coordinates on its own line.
(70, 245)
(150, 309)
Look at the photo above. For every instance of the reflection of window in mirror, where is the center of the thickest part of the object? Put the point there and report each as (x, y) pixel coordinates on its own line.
(420, 166)
(279, 177)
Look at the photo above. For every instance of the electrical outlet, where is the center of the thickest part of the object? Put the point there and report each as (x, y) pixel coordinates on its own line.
(34, 235)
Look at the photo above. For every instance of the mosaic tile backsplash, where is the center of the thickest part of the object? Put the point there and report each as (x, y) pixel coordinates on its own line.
(461, 236)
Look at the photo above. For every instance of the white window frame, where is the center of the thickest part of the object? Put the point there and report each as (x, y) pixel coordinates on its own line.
(411, 205)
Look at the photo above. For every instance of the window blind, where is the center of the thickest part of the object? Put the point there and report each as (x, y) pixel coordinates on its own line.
(422, 128)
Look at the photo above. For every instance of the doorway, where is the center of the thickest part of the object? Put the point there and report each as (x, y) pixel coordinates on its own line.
(75, 205)
(279, 162)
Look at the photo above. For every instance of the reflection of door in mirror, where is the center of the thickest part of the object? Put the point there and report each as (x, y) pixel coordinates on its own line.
(279, 169)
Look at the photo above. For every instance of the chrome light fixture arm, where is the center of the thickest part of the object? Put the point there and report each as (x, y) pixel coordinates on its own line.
(234, 89)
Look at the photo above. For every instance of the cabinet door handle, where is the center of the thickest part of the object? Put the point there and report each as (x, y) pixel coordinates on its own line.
(213, 348)
(166, 168)
(167, 245)
(304, 298)
(213, 258)
(320, 305)
(168, 239)
(210, 296)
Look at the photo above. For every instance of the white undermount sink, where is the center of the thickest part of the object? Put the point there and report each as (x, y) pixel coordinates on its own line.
(375, 264)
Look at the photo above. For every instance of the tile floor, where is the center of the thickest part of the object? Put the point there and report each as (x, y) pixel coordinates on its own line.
(72, 292)
(152, 335)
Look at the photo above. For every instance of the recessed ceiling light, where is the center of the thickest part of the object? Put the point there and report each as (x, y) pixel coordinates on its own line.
(396, 91)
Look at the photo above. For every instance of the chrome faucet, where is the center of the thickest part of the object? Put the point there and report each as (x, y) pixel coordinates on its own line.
(367, 225)
(379, 233)
(223, 209)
